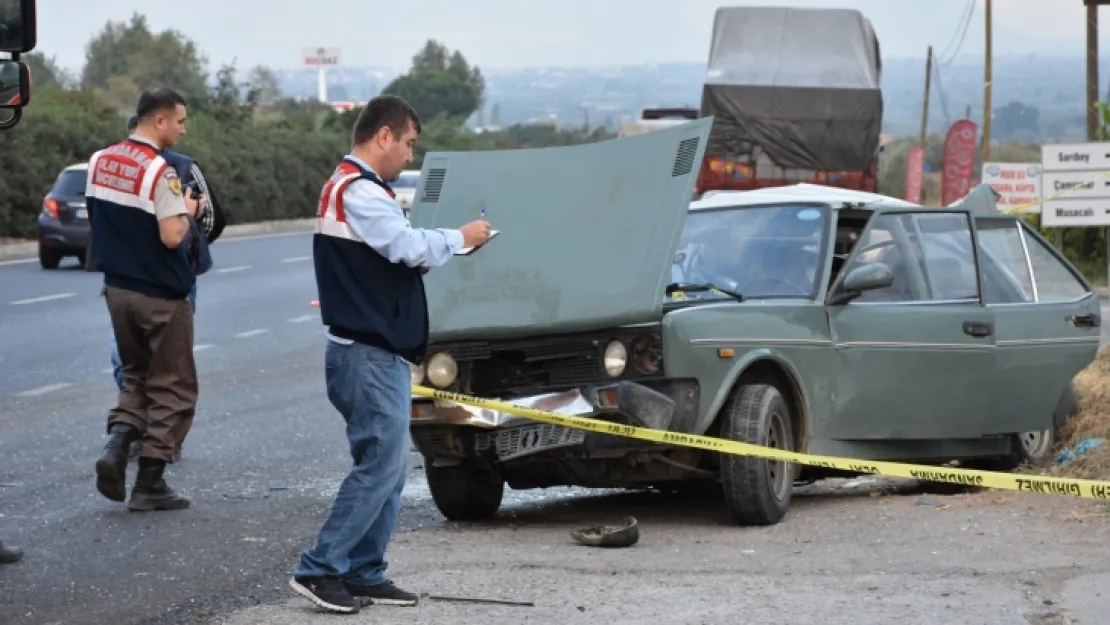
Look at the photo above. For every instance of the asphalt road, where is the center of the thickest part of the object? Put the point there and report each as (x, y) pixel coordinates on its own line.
(264, 457)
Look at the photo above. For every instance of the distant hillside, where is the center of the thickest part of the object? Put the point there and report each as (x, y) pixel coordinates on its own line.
(604, 96)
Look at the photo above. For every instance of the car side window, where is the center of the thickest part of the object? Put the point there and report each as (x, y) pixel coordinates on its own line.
(1054, 281)
(944, 253)
(879, 245)
(1003, 264)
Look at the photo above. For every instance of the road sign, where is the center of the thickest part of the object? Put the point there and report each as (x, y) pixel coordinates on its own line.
(1076, 156)
(1076, 212)
(320, 57)
(1069, 170)
(1019, 184)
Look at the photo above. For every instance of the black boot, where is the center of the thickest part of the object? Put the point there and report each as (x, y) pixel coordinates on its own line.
(111, 467)
(151, 491)
(10, 554)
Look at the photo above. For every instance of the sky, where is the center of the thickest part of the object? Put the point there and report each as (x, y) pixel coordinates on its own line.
(529, 33)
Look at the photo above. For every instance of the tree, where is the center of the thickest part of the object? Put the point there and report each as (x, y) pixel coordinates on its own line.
(1014, 118)
(147, 59)
(45, 71)
(440, 83)
(263, 86)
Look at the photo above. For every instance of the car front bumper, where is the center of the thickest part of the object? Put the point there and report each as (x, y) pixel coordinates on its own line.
(445, 428)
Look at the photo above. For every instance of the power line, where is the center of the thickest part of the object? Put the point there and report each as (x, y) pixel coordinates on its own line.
(961, 33)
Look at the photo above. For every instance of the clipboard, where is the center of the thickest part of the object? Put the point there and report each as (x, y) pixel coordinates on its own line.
(467, 251)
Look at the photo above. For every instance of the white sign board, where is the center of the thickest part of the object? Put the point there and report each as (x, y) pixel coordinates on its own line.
(1019, 184)
(320, 57)
(1070, 172)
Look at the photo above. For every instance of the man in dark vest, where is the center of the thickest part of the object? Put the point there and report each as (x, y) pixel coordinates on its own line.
(141, 216)
(369, 275)
(211, 221)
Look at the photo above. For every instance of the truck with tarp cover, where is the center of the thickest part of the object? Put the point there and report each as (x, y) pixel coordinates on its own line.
(795, 97)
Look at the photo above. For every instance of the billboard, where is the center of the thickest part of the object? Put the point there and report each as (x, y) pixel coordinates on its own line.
(1019, 184)
(313, 56)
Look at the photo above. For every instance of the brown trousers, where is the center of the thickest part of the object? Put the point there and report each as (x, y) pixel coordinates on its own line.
(155, 341)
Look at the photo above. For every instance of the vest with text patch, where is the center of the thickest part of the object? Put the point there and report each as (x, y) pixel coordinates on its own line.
(363, 296)
(126, 245)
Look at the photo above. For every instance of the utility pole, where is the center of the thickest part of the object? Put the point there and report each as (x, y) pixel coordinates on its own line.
(1092, 67)
(925, 102)
(987, 109)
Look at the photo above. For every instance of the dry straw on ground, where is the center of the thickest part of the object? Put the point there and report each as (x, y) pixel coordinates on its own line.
(1092, 420)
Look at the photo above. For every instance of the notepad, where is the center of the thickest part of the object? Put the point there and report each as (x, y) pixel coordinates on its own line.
(467, 251)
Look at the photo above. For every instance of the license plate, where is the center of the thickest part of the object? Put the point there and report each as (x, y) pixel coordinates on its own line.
(82, 213)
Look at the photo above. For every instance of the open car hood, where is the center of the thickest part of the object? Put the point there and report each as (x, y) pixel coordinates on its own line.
(587, 233)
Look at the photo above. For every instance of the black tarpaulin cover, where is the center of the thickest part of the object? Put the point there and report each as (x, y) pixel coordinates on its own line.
(801, 84)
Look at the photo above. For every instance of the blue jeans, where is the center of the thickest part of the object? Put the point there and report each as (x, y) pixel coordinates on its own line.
(117, 366)
(371, 390)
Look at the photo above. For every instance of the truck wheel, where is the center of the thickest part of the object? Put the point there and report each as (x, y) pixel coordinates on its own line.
(465, 492)
(757, 491)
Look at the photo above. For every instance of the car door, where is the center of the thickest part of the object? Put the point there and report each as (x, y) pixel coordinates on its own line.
(1047, 324)
(912, 359)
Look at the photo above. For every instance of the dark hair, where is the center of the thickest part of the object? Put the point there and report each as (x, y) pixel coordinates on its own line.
(157, 100)
(384, 111)
(132, 122)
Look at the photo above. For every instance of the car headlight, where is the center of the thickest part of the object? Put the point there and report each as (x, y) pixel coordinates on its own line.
(442, 369)
(615, 358)
(416, 373)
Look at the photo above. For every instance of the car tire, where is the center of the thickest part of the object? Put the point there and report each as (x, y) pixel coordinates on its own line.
(1036, 448)
(49, 259)
(465, 492)
(757, 491)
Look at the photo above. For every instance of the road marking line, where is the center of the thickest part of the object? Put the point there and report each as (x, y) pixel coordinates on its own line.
(303, 318)
(108, 370)
(233, 269)
(250, 333)
(295, 259)
(44, 298)
(42, 390)
(200, 348)
(18, 261)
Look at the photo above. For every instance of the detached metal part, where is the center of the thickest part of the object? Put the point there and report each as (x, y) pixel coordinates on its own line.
(609, 535)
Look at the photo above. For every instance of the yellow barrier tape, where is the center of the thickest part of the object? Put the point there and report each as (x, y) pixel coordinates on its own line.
(1021, 207)
(1087, 489)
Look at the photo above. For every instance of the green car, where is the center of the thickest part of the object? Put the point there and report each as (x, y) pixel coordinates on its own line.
(804, 318)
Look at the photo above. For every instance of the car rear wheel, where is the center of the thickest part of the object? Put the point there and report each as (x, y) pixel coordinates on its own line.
(757, 491)
(465, 492)
(49, 259)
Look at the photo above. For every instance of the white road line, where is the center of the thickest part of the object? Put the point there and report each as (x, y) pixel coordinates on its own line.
(295, 259)
(201, 347)
(44, 298)
(42, 390)
(108, 370)
(233, 269)
(18, 261)
(304, 318)
(250, 333)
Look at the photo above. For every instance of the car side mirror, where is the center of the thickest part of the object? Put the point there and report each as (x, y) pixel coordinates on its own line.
(18, 26)
(861, 279)
(15, 84)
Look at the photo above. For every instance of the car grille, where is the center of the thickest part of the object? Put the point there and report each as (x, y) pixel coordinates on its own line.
(511, 369)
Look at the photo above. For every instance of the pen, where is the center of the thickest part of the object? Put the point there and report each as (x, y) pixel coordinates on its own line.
(483, 216)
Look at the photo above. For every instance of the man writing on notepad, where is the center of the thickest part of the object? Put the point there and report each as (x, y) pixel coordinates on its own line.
(369, 264)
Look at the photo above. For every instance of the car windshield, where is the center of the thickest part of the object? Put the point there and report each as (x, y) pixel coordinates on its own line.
(71, 182)
(407, 180)
(768, 251)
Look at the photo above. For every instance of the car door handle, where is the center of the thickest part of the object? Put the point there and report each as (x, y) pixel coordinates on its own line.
(1090, 320)
(978, 328)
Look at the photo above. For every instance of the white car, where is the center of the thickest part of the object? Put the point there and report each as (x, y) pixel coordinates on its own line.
(405, 188)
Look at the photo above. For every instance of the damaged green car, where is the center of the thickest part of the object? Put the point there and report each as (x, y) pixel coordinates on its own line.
(802, 318)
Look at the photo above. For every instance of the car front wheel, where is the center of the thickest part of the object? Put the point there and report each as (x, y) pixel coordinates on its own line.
(465, 492)
(757, 491)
